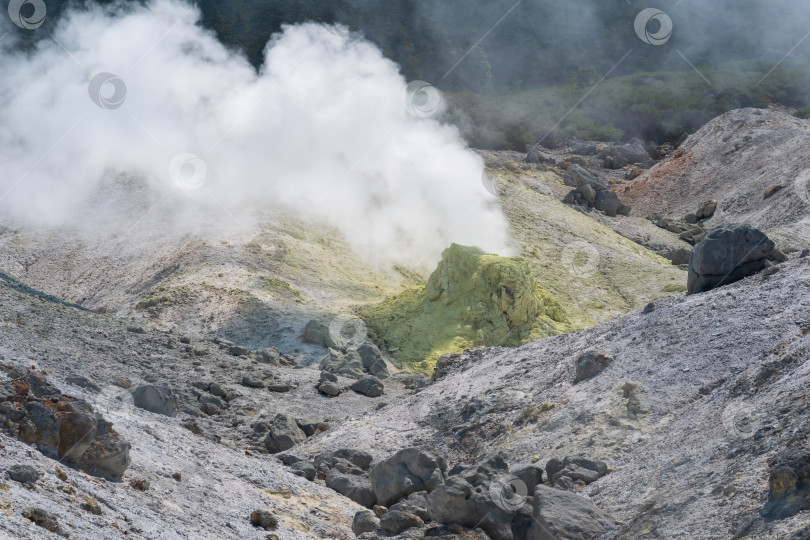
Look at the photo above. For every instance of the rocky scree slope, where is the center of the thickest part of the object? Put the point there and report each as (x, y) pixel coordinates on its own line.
(753, 162)
(697, 404)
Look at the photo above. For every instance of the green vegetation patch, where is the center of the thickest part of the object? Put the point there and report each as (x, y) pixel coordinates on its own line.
(279, 287)
(471, 299)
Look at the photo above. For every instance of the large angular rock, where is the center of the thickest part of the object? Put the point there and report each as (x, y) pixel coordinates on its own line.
(348, 365)
(789, 484)
(372, 359)
(609, 203)
(727, 254)
(62, 427)
(591, 363)
(156, 398)
(577, 176)
(356, 487)
(562, 515)
(486, 496)
(408, 471)
(318, 333)
(368, 386)
(283, 435)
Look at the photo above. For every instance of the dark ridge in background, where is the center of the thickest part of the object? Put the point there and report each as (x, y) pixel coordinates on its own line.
(513, 88)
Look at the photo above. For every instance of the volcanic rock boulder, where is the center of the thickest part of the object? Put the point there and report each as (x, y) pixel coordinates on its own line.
(591, 363)
(592, 192)
(284, 434)
(487, 496)
(356, 487)
(561, 515)
(368, 386)
(583, 469)
(789, 484)
(348, 365)
(408, 471)
(727, 254)
(156, 398)
(318, 333)
(62, 427)
(373, 362)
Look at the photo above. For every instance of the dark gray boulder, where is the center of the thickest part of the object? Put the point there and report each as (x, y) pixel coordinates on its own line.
(356, 457)
(373, 362)
(356, 487)
(396, 521)
(284, 434)
(156, 398)
(577, 176)
(486, 496)
(788, 483)
(318, 333)
(368, 386)
(364, 521)
(609, 203)
(591, 363)
(62, 427)
(727, 254)
(24, 474)
(580, 468)
(408, 471)
(348, 365)
(562, 515)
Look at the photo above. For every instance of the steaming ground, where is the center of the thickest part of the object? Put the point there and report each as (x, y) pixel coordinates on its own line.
(324, 129)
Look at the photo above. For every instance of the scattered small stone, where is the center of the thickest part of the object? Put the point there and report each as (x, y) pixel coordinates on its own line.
(379, 511)
(91, 506)
(252, 381)
(804, 253)
(136, 330)
(649, 308)
(280, 387)
(193, 427)
(44, 519)
(177, 476)
(590, 364)
(770, 191)
(24, 474)
(139, 485)
(264, 519)
(365, 521)
(368, 386)
(329, 388)
(237, 350)
(122, 382)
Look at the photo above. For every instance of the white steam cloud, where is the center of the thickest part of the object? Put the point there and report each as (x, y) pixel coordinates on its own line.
(322, 129)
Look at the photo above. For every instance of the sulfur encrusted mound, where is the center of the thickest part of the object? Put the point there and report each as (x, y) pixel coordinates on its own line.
(471, 299)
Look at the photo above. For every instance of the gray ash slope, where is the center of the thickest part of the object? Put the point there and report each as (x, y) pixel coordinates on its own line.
(701, 393)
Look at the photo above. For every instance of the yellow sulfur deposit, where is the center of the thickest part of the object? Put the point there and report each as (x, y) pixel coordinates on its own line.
(471, 299)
